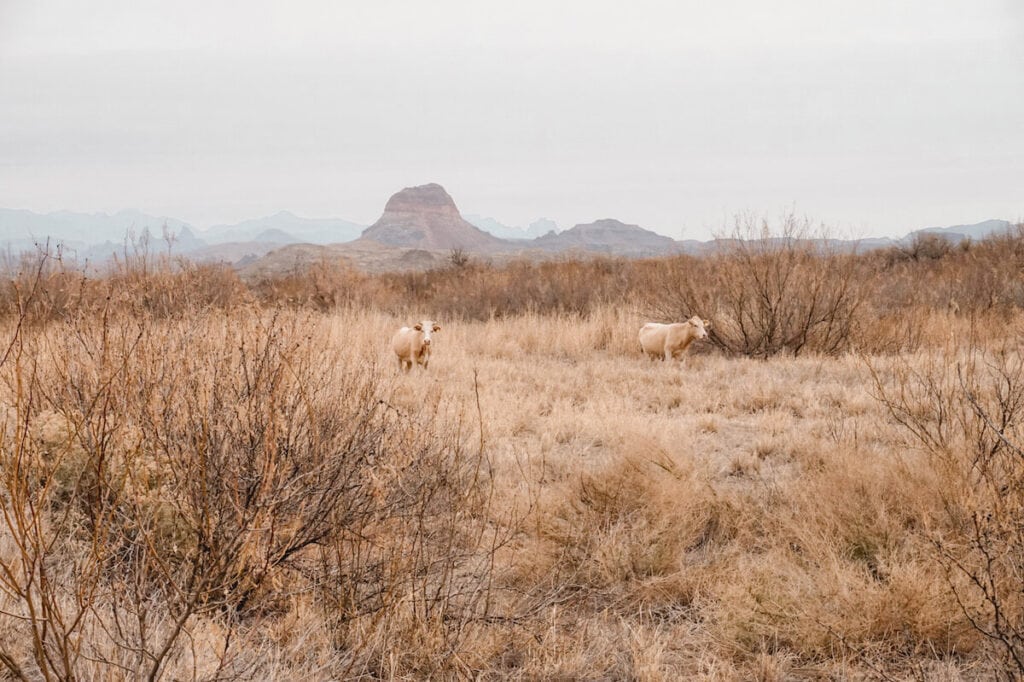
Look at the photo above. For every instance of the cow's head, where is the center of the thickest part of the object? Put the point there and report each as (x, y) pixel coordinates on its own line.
(428, 327)
(700, 325)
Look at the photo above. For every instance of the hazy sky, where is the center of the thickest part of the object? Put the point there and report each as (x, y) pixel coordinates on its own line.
(874, 117)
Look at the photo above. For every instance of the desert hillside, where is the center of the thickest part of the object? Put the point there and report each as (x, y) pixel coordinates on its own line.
(609, 236)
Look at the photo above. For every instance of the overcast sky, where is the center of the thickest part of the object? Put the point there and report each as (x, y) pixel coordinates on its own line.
(873, 117)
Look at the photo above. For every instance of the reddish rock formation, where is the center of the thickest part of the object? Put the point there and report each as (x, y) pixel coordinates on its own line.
(426, 217)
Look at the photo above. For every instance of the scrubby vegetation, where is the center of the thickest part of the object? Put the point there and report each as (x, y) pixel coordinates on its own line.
(205, 478)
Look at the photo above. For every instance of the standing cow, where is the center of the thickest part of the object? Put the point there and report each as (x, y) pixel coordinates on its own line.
(670, 341)
(412, 344)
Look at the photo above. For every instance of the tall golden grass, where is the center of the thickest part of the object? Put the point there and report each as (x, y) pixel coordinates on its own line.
(208, 479)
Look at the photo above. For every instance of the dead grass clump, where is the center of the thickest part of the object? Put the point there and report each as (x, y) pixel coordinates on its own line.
(634, 521)
(830, 569)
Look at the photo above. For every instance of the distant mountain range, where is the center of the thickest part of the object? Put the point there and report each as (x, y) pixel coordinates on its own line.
(97, 236)
(84, 235)
(609, 236)
(419, 225)
(958, 233)
(91, 228)
(285, 228)
(537, 228)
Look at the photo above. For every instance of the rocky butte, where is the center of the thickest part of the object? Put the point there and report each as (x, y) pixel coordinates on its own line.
(426, 217)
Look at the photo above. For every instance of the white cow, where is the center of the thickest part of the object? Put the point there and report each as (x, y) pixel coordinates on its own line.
(412, 344)
(670, 341)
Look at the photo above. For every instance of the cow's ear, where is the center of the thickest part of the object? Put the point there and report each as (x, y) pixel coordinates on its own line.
(707, 324)
(437, 327)
(418, 327)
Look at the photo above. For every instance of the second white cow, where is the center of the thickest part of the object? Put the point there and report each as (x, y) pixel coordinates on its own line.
(670, 341)
(412, 344)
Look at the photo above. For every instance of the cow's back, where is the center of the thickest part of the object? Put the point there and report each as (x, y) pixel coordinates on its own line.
(652, 337)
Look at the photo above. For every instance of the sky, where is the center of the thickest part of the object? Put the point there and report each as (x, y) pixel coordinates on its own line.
(872, 118)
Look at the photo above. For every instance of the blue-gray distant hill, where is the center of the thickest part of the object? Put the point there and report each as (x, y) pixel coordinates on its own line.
(423, 220)
(92, 235)
(285, 227)
(16, 224)
(958, 233)
(96, 237)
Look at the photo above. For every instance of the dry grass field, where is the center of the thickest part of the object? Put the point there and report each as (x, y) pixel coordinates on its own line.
(200, 481)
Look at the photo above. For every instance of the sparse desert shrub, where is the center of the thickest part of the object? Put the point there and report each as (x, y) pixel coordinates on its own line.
(925, 246)
(965, 410)
(769, 293)
(978, 279)
(458, 258)
(418, 566)
(161, 473)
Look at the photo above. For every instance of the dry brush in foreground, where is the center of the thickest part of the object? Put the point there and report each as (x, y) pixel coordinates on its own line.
(199, 486)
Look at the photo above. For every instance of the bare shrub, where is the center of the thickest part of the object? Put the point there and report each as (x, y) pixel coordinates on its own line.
(769, 293)
(965, 409)
(416, 567)
(162, 474)
(926, 246)
(458, 258)
(979, 278)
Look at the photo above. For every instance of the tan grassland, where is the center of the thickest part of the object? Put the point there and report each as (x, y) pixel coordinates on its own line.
(725, 518)
(200, 487)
